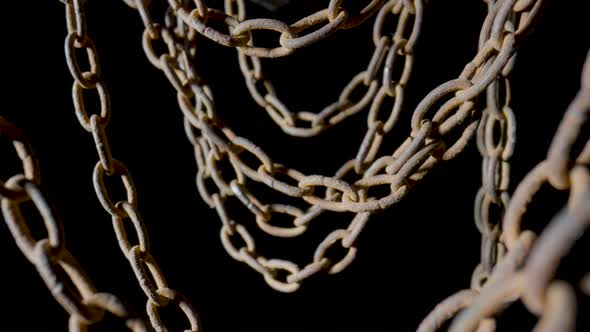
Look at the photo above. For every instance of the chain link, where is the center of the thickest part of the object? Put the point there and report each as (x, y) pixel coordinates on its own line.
(237, 30)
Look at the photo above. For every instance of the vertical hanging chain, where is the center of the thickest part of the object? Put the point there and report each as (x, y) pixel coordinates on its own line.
(144, 265)
(238, 33)
(63, 276)
(495, 139)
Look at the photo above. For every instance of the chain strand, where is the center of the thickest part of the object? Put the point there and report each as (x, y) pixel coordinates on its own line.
(63, 276)
(145, 267)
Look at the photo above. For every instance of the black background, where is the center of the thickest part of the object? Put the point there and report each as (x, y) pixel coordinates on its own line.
(410, 256)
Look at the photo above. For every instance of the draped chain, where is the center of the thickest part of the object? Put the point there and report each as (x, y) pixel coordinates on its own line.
(232, 170)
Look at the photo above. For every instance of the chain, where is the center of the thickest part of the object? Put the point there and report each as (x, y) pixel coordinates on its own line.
(496, 148)
(144, 265)
(430, 141)
(527, 272)
(177, 69)
(237, 32)
(393, 55)
(59, 269)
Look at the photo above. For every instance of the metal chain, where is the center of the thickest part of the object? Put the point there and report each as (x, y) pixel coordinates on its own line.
(393, 51)
(215, 143)
(63, 276)
(145, 267)
(495, 139)
(527, 272)
(178, 70)
(238, 32)
(207, 157)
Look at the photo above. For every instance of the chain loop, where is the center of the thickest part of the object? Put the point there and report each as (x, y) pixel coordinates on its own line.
(138, 226)
(80, 106)
(103, 193)
(329, 241)
(86, 79)
(172, 297)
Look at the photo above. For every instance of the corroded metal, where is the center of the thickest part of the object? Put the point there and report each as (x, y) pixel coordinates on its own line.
(516, 264)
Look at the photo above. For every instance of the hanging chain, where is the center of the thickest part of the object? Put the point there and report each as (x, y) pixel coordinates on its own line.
(238, 32)
(393, 55)
(144, 265)
(63, 276)
(431, 140)
(495, 139)
(515, 264)
(527, 272)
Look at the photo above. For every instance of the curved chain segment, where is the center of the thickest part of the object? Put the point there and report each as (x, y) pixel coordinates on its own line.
(237, 30)
(495, 140)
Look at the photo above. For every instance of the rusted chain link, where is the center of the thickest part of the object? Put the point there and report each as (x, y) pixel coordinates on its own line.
(528, 271)
(145, 267)
(429, 142)
(237, 31)
(63, 276)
